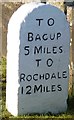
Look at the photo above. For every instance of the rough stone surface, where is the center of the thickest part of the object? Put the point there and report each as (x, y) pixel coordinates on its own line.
(37, 60)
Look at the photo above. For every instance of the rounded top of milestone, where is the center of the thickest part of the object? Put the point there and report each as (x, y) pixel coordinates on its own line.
(40, 8)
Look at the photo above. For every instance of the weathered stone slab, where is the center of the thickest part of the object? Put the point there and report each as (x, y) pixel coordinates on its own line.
(37, 60)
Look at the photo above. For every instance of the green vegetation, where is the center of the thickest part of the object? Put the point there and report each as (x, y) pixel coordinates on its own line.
(3, 63)
(3, 68)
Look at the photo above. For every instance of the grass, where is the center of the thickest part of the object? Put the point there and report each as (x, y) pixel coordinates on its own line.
(69, 114)
(3, 68)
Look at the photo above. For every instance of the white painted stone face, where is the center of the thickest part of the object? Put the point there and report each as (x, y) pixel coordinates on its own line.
(37, 60)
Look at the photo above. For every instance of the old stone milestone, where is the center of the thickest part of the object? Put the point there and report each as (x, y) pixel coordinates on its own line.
(37, 60)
